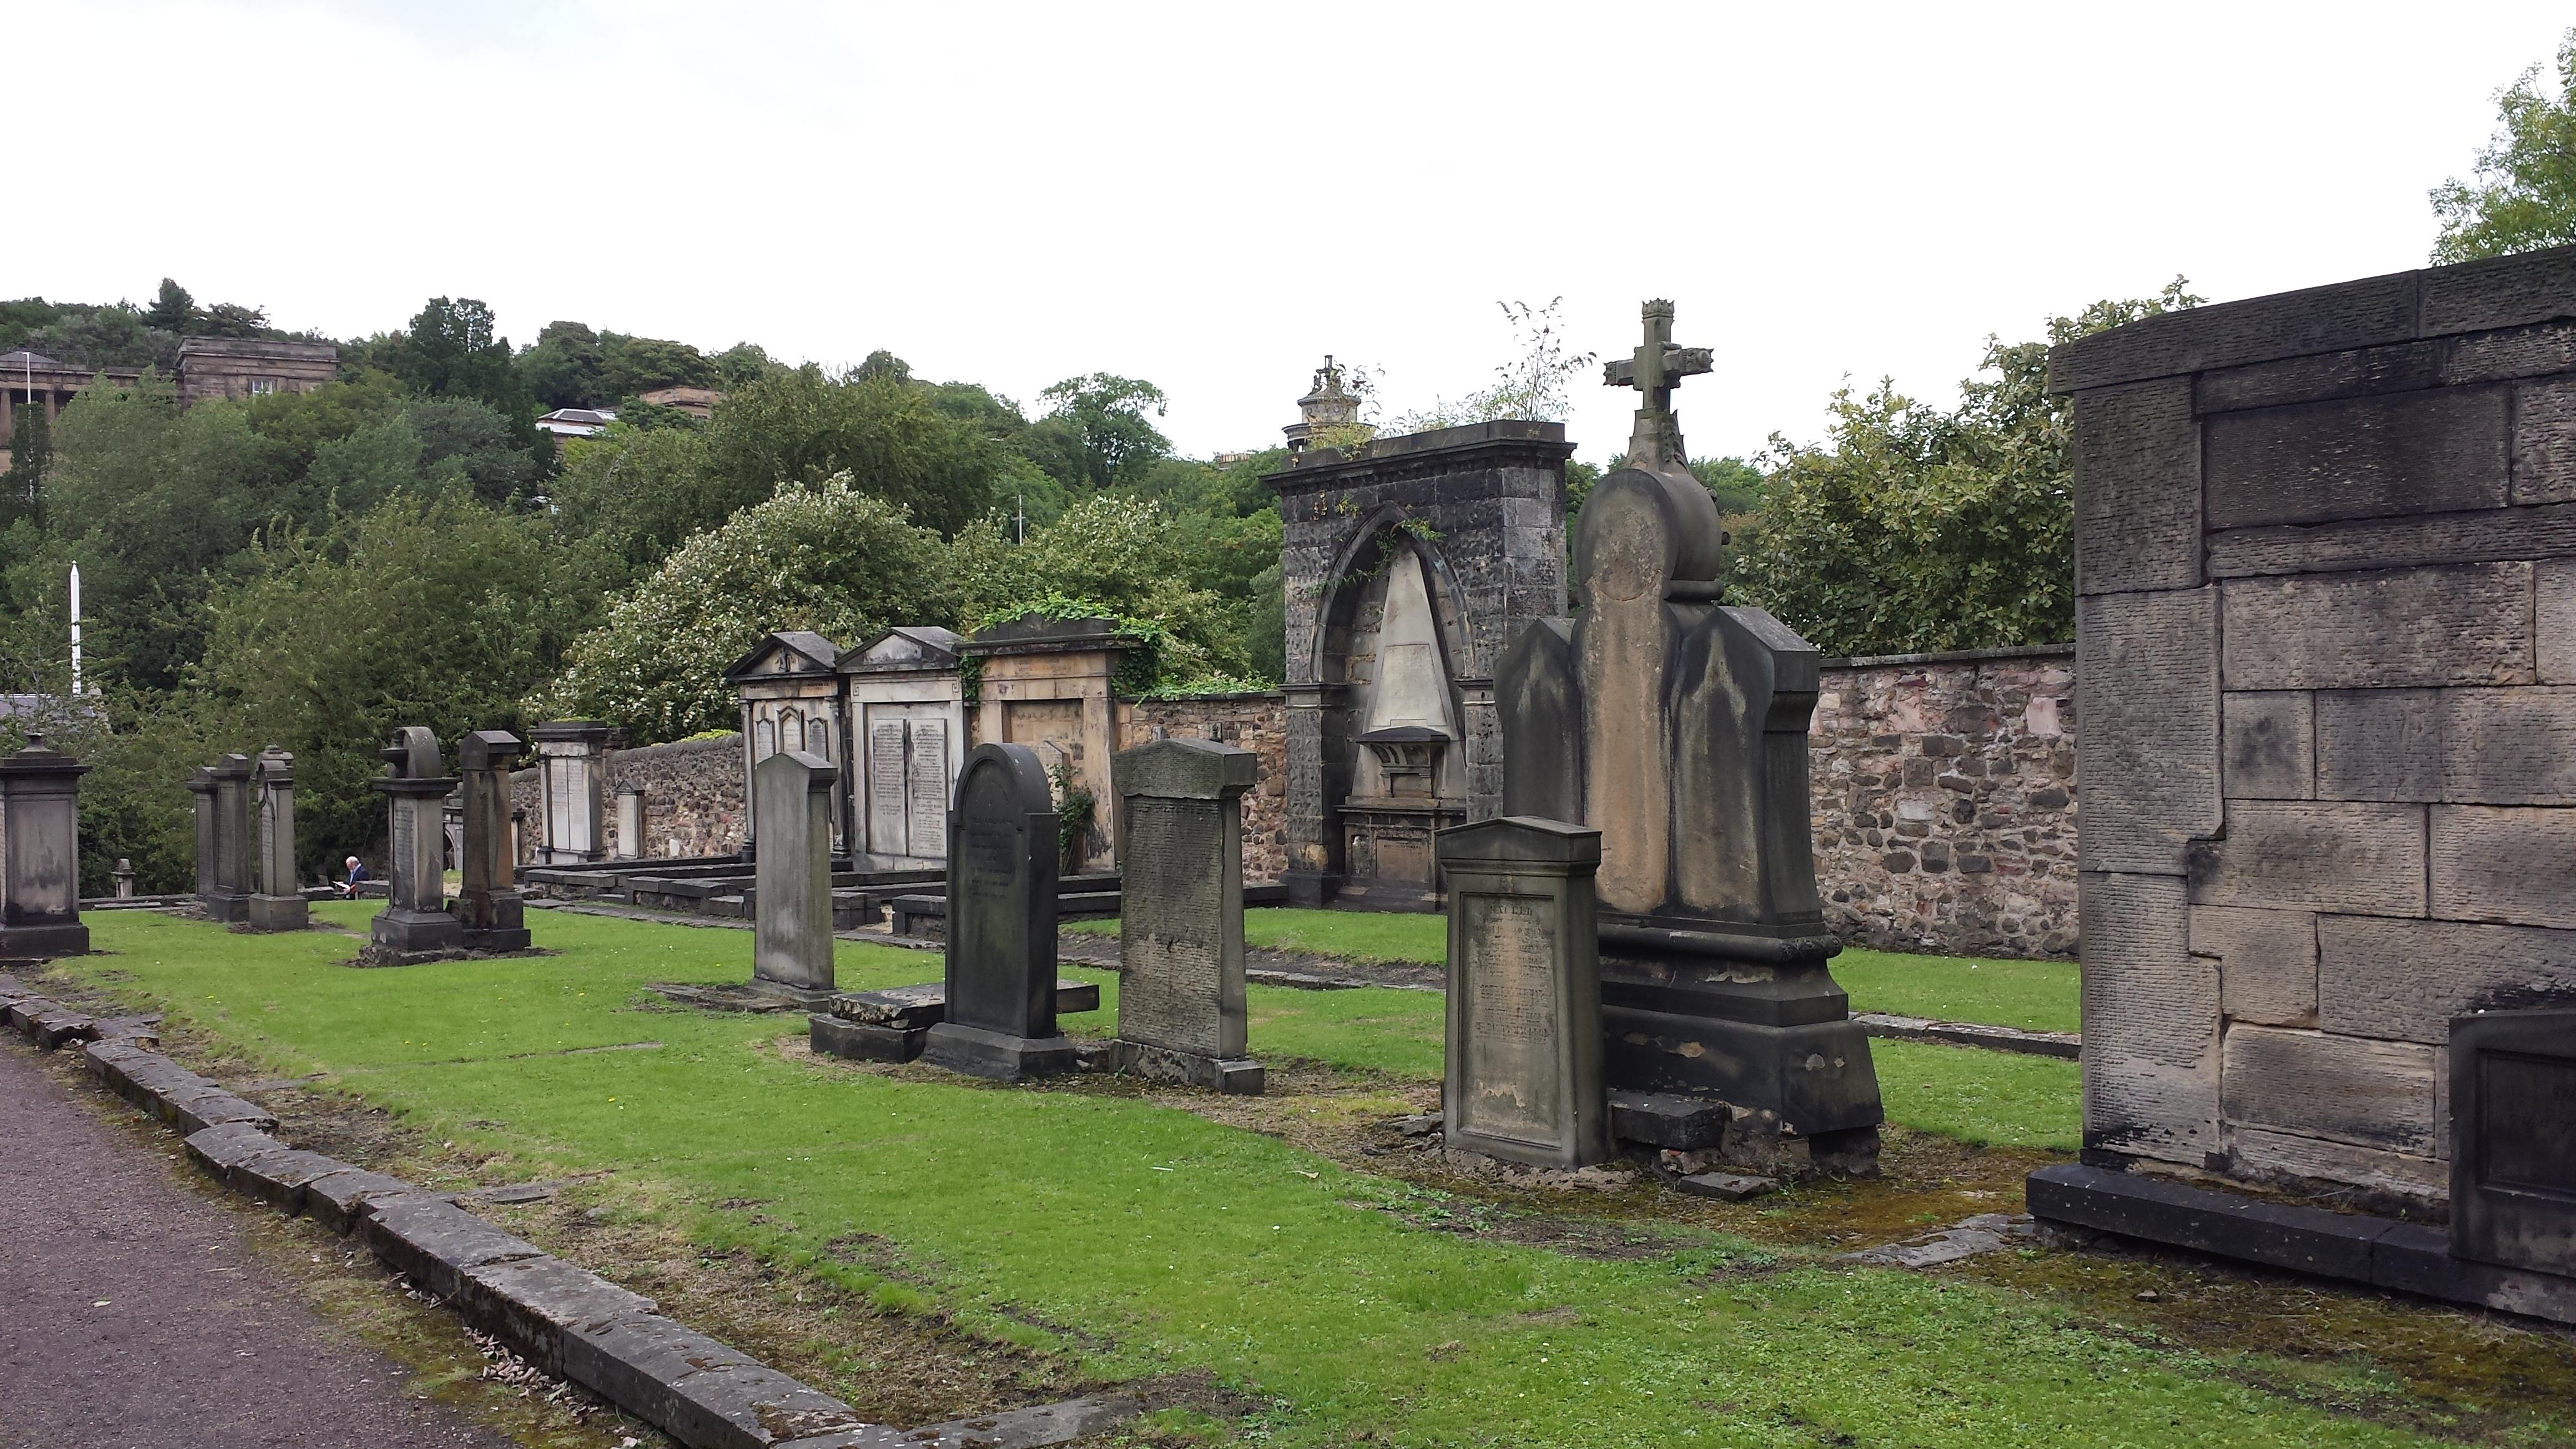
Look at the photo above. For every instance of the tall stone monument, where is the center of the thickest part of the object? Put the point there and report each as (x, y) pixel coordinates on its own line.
(278, 904)
(1676, 725)
(1181, 1014)
(201, 792)
(40, 837)
(236, 837)
(1001, 922)
(415, 922)
(572, 780)
(488, 904)
(794, 792)
(1523, 1080)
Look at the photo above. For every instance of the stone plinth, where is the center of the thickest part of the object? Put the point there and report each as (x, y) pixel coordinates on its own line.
(488, 903)
(792, 910)
(1523, 1080)
(1180, 941)
(1050, 684)
(572, 774)
(40, 838)
(278, 904)
(415, 922)
(1000, 1012)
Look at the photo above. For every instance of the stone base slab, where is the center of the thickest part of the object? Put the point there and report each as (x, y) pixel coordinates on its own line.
(42, 943)
(862, 1042)
(498, 942)
(2382, 1252)
(279, 913)
(1001, 1057)
(1231, 1076)
(1815, 1079)
(411, 932)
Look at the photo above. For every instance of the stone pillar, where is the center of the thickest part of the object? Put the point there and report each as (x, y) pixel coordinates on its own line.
(1181, 1013)
(572, 760)
(630, 821)
(278, 904)
(488, 903)
(1524, 1077)
(792, 876)
(40, 836)
(201, 792)
(124, 879)
(1001, 922)
(414, 923)
(235, 837)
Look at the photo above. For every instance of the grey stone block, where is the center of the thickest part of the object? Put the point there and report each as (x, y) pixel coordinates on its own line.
(56, 1025)
(2366, 457)
(212, 1107)
(221, 1148)
(2513, 291)
(2137, 488)
(2371, 312)
(2370, 1093)
(2504, 356)
(860, 1041)
(1014, 1428)
(2513, 866)
(2487, 535)
(2149, 750)
(2261, 1153)
(2297, 855)
(2462, 746)
(434, 1242)
(2544, 441)
(535, 1303)
(997, 1055)
(2468, 624)
(2361, 372)
(2267, 962)
(280, 1178)
(2554, 619)
(1669, 1120)
(2151, 1020)
(2406, 980)
(700, 1392)
(1724, 1186)
(2270, 747)
(1229, 1076)
(337, 1199)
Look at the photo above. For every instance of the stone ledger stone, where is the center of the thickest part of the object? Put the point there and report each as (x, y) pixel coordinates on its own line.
(278, 904)
(40, 838)
(792, 912)
(1181, 1009)
(1001, 922)
(1524, 1046)
(415, 921)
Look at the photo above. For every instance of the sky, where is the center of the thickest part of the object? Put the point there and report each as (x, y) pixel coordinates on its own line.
(1212, 197)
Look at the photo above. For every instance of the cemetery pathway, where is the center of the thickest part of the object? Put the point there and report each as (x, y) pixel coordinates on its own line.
(132, 1313)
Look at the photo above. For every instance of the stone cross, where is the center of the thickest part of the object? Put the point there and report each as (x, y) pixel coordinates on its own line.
(1181, 1010)
(1002, 861)
(415, 922)
(487, 899)
(278, 902)
(1654, 370)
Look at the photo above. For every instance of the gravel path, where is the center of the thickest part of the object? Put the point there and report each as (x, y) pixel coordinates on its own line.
(132, 1313)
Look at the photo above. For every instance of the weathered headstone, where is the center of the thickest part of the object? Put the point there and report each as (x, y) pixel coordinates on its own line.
(1001, 922)
(415, 922)
(630, 821)
(1524, 1033)
(572, 780)
(488, 904)
(124, 876)
(235, 839)
(792, 906)
(278, 903)
(905, 701)
(40, 836)
(1180, 937)
(1677, 726)
(201, 793)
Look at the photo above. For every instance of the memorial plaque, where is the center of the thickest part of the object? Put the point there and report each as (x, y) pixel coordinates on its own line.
(1524, 1045)
(886, 809)
(1001, 923)
(1510, 1026)
(1181, 1013)
(926, 826)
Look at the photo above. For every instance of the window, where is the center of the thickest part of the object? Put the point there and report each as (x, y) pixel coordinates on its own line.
(262, 386)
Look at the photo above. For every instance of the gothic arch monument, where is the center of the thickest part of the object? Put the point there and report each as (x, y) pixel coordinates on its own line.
(1411, 563)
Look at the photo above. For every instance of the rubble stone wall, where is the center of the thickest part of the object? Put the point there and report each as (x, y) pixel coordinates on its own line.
(1256, 722)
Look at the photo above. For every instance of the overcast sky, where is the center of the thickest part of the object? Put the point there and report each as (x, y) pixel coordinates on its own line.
(1212, 196)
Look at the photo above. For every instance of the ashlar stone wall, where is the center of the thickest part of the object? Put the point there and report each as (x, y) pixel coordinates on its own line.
(2326, 634)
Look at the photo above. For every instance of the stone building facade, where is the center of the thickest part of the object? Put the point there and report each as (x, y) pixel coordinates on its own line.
(208, 367)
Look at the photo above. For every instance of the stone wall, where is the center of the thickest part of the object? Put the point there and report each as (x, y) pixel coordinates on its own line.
(692, 796)
(2326, 629)
(1256, 722)
(1944, 788)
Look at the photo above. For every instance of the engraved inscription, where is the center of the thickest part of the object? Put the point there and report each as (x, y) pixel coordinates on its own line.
(886, 787)
(927, 788)
(1172, 991)
(402, 856)
(1510, 1081)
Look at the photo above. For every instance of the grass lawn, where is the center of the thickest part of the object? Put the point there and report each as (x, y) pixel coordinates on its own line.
(1142, 1239)
(2031, 995)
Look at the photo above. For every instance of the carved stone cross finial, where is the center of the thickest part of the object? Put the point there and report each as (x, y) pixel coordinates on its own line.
(1654, 370)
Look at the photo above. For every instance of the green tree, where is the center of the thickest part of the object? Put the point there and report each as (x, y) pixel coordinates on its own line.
(562, 369)
(1131, 557)
(802, 426)
(172, 310)
(452, 350)
(1114, 443)
(2523, 196)
(822, 556)
(1911, 529)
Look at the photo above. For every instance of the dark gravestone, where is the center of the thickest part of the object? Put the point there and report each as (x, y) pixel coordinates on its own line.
(40, 836)
(415, 922)
(235, 834)
(278, 903)
(201, 792)
(792, 902)
(1180, 938)
(1677, 726)
(488, 903)
(2513, 1139)
(1001, 922)
(1524, 1030)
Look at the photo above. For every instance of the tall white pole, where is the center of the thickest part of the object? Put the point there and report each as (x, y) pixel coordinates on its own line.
(76, 629)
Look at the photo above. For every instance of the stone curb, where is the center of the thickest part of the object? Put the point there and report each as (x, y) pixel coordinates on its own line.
(2065, 1045)
(566, 1320)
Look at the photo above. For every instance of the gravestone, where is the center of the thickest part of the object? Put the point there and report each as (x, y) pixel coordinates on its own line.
(1001, 922)
(235, 839)
(630, 821)
(1676, 725)
(124, 876)
(278, 904)
(792, 905)
(488, 904)
(201, 793)
(1052, 684)
(1180, 936)
(415, 922)
(905, 700)
(791, 700)
(572, 783)
(1523, 1080)
(40, 837)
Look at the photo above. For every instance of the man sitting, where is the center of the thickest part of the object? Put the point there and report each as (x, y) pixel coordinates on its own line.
(357, 872)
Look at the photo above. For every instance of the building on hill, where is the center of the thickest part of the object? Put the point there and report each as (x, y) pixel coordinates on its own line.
(209, 367)
(697, 402)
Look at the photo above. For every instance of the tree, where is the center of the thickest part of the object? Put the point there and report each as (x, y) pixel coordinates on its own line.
(562, 370)
(801, 426)
(1129, 556)
(452, 350)
(1106, 415)
(824, 556)
(1912, 529)
(2524, 195)
(173, 310)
